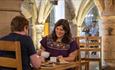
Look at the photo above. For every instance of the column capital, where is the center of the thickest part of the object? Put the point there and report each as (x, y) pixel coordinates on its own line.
(105, 7)
(108, 17)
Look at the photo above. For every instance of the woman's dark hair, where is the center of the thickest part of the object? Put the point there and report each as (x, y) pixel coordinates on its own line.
(18, 23)
(67, 36)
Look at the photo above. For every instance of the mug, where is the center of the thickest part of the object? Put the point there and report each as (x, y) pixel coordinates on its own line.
(45, 54)
(53, 59)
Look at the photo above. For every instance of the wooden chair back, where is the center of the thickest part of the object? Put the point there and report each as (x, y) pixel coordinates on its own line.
(88, 46)
(78, 57)
(11, 62)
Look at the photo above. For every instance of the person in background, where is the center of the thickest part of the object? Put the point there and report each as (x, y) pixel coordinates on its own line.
(19, 32)
(60, 43)
(86, 29)
(94, 31)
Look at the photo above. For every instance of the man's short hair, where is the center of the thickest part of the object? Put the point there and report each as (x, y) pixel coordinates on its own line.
(18, 23)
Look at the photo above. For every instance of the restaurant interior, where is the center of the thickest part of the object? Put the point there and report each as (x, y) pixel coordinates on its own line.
(43, 14)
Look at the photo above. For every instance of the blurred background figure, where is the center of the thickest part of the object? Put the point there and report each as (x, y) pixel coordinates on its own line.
(94, 31)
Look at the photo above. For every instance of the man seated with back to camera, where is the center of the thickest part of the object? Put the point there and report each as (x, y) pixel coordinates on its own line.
(19, 32)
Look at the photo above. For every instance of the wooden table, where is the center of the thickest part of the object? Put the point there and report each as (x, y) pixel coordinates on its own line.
(60, 66)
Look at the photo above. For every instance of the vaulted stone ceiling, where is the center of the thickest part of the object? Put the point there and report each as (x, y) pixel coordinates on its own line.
(79, 9)
(74, 5)
(10, 8)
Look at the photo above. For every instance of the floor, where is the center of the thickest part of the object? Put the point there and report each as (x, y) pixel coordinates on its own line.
(95, 65)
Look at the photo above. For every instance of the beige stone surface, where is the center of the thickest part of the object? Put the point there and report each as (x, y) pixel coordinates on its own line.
(10, 4)
(107, 55)
(8, 9)
(107, 24)
(5, 20)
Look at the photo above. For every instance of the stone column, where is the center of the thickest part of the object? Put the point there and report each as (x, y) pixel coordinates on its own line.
(108, 39)
(107, 12)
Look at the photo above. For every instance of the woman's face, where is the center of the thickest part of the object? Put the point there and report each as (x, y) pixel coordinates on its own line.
(59, 31)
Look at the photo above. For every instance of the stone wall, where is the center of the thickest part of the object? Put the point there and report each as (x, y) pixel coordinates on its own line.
(8, 9)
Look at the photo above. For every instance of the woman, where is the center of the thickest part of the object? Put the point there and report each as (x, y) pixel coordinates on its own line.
(60, 43)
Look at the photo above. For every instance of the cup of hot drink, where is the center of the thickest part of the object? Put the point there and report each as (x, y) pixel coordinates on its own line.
(45, 54)
(53, 59)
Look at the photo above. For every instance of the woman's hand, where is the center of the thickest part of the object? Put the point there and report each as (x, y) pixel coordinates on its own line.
(61, 59)
(71, 57)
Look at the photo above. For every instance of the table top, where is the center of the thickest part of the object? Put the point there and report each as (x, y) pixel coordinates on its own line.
(58, 66)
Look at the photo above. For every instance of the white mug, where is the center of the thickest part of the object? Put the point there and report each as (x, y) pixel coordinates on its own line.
(53, 59)
(45, 54)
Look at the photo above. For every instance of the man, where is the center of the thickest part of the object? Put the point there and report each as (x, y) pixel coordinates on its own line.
(94, 31)
(19, 32)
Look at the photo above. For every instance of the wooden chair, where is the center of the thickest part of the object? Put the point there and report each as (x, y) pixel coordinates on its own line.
(96, 42)
(11, 62)
(86, 47)
(79, 61)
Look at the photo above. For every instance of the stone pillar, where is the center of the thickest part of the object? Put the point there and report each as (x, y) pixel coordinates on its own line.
(108, 39)
(107, 12)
